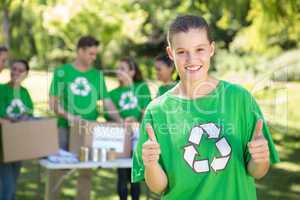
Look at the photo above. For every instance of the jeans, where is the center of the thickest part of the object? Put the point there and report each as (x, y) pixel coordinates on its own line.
(64, 138)
(9, 173)
(124, 177)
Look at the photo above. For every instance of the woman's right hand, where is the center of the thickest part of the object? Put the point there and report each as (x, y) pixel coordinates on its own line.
(151, 148)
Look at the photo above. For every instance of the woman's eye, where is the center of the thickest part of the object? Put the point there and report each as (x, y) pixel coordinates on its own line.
(180, 52)
(201, 49)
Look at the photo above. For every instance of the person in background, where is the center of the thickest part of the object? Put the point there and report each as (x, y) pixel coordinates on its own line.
(16, 105)
(3, 57)
(75, 90)
(164, 69)
(130, 98)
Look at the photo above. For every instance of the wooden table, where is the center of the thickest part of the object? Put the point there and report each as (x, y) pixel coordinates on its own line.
(72, 167)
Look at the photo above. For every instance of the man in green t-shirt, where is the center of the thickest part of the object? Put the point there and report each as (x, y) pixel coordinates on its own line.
(74, 92)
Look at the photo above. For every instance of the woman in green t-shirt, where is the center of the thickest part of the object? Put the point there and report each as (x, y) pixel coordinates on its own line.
(164, 70)
(205, 138)
(130, 98)
(16, 105)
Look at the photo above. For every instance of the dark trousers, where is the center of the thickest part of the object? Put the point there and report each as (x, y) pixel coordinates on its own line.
(124, 177)
(9, 173)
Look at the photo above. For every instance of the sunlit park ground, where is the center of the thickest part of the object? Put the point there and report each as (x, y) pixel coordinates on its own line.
(279, 102)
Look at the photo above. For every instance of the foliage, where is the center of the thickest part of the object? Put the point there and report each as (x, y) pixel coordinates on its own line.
(46, 32)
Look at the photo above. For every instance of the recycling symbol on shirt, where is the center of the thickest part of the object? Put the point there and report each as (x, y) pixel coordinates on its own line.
(80, 86)
(128, 100)
(190, 151)
(15, 109)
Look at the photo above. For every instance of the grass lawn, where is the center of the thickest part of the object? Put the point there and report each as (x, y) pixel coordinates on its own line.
(279, 103)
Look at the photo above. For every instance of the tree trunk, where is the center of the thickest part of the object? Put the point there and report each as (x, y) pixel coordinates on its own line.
(6, 26)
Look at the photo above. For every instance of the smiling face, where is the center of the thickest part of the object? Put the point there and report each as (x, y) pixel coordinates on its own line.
(18, 72)
(191, 52)
(88, 55)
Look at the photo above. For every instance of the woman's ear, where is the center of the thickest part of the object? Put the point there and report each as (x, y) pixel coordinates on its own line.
(170, 52)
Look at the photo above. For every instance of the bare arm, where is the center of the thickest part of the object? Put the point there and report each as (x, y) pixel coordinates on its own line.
(156, 178)
(258, 170)
(112, 111)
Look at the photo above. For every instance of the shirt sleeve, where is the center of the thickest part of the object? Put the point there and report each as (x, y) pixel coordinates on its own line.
(2, 107)
(54, 89)
(144, 95)
(254, 114)
(29, 102)
(138, 169)
(103, 94)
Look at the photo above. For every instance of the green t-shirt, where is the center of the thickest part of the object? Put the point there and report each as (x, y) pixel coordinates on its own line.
(131, 100)
(78, 91)
(164, 88)
(203, 144)
(14, 102)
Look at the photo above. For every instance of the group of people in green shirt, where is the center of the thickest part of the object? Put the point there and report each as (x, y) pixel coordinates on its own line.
(75, 91)
(200, 137)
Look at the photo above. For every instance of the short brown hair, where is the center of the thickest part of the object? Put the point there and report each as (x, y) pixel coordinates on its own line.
(3, 49)
(165, 59)
(184, 23)
(87, 41)
(22, 61)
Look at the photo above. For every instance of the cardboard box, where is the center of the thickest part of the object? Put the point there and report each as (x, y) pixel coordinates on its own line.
(28, 139)
(92, 134)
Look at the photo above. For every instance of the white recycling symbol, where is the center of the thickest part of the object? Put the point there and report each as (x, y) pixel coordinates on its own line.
(15, 104)
(222, 145)
(80, 86)
(128, 101)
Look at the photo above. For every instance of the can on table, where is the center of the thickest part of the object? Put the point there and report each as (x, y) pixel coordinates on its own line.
(111, 154)
(95, 154)
(103, 152)
(84, 154)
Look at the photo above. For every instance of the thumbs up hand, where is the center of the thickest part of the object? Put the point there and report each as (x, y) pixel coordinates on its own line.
(258, 146)
(151, 148)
